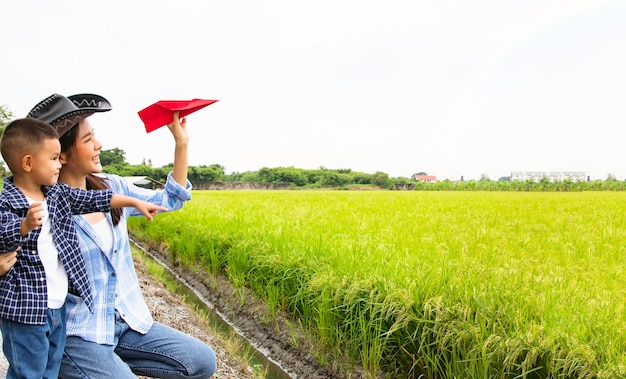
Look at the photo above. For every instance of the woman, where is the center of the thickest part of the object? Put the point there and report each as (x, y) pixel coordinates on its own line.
(119, 339)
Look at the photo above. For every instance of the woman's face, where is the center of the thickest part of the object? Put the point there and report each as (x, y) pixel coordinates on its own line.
(83, 157)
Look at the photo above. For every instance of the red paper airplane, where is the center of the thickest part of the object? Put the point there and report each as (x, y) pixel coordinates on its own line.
(162, 112)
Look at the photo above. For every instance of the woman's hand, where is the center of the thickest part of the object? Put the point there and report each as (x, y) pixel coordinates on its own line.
(178, 128)
(148, 209)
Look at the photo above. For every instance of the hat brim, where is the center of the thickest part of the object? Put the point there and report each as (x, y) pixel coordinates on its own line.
(87, 104)
(90, 101)
(66, 122)
(65, 112)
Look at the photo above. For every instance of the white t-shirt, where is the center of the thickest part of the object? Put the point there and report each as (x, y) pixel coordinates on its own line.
(105, 232)
(56, 277)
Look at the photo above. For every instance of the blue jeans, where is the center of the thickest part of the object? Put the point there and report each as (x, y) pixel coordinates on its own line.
(163, 352)
(34, 351)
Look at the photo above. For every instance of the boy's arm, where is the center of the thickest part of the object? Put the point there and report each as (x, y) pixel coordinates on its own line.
(147, 209)
(10, 231)
(88, 201)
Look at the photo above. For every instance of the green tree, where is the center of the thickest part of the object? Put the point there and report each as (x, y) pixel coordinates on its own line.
(250, 176)
(121, 169)
(5, 116)
(160, 173)
(213, 173)
(113, 156)
(333, 179)
(544, 183)
(380, 179)
(141, 170)
(362, 178)
(290, 175)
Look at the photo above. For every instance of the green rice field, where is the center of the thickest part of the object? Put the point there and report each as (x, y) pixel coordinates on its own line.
(425, 284)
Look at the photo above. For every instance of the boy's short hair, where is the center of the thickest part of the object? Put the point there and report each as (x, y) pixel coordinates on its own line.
(24, 136)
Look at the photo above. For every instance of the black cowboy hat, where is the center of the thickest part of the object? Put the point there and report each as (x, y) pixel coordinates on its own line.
(64, 112)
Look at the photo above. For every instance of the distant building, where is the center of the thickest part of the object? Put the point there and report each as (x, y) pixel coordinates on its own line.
(553, 176)
(404, 186)
(425, 178)
(144, 182)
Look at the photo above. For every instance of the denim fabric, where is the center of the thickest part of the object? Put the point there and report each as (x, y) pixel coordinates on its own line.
(34, 351)
(163, 352)
(112, 276)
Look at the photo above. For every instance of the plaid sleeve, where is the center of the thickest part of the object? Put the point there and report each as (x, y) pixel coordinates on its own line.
(90, 201)
(172, 197)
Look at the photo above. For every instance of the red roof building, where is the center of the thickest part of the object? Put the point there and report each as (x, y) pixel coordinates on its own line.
(425, 178)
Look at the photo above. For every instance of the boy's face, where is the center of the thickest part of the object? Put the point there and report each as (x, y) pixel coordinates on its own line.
(46, 165)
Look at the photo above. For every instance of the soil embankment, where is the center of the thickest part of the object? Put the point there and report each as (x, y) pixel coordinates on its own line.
(275, 339)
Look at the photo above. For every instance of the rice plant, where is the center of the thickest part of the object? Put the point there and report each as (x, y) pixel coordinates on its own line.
(426, 284)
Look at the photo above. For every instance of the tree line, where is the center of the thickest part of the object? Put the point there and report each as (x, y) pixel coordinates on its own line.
(114, 162)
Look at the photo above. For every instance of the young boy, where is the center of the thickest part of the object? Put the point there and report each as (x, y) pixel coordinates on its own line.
(36, 214)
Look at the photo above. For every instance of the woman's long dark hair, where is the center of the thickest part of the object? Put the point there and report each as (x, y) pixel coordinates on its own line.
(93, 182)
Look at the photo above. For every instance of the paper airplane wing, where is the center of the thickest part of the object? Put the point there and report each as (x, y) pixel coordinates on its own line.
(162, 112)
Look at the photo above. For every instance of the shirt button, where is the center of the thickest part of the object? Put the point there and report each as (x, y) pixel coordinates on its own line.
(42, 279)
(34, 251)
(112, 274)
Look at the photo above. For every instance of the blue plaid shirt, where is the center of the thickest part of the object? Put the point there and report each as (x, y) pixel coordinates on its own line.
(112, 274)
(23, 291)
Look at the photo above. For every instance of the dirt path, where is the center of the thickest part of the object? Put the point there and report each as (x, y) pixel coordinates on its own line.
(280, 339)
(169, 309)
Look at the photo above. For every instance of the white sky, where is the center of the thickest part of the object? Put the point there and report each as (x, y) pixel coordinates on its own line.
(452, 88)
